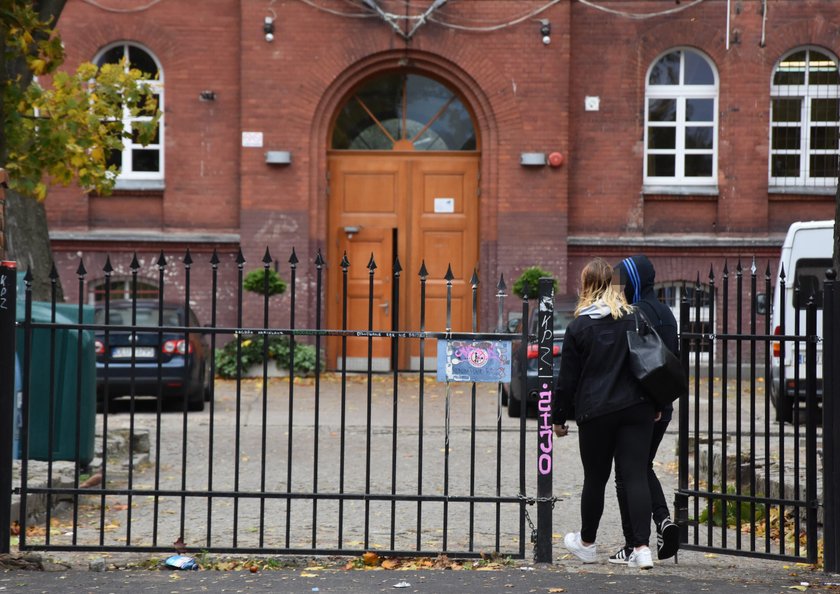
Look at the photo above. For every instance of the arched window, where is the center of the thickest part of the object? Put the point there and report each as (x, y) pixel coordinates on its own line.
(681, 97)
(404, 112)
(804, 127)
(122, 288)
(140, 166)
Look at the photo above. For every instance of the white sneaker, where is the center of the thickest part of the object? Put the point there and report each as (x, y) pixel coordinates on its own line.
(640, 558)
(586, 553)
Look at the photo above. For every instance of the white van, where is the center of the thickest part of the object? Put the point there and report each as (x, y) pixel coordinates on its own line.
(806, 254)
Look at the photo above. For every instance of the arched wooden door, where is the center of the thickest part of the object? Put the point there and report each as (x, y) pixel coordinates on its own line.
(396, 200)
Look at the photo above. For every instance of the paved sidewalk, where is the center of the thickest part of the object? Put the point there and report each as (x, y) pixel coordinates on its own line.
(695, 572)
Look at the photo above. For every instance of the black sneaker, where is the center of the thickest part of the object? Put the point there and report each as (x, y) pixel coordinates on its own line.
(667, 539)
(621, 556)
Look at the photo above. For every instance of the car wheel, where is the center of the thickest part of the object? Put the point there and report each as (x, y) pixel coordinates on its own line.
(513, 407)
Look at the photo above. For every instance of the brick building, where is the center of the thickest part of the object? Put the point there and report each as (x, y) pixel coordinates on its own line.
(486, 134)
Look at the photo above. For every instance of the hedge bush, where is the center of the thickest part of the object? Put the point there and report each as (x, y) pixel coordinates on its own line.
(252, 354)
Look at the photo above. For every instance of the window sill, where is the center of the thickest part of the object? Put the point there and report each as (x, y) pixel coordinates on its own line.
(801, 191)
(140, 185)
(670, 192)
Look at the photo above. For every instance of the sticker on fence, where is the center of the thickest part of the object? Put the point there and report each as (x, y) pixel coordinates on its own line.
(473, 361)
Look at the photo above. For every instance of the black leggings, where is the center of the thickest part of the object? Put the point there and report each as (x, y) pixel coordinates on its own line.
(659, 505)
(626, 435)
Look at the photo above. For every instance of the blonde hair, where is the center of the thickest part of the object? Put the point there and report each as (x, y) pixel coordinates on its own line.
(596, 285)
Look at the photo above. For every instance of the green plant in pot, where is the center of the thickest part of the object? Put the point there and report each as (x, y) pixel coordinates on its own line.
(528, 282)
(255, 282)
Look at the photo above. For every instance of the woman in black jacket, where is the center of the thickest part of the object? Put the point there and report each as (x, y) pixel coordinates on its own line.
(613, 414)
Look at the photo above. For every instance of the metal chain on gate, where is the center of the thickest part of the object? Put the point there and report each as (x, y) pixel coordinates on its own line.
(533, 501)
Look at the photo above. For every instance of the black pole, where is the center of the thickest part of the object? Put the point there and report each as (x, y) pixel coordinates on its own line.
(8, 297)
(811, 429)
(545, 373)
(831, 424)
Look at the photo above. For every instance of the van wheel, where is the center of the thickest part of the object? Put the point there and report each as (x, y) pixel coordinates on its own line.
(782, 416)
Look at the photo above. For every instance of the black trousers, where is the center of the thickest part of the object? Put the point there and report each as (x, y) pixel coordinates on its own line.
(659, 506)
(625, 435)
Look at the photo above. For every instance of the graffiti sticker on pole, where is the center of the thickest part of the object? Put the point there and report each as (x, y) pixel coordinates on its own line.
(473, 361)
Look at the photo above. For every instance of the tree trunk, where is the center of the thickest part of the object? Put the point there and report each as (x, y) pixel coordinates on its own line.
(28, 243)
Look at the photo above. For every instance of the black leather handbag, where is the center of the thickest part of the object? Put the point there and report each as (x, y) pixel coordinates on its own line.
(654, 365)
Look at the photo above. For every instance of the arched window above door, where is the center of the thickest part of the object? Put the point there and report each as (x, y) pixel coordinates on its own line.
(402, 111)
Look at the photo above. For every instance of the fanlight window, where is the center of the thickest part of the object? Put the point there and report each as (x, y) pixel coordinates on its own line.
(404, 112)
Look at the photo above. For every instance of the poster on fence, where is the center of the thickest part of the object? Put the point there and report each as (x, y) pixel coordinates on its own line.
(473, 361)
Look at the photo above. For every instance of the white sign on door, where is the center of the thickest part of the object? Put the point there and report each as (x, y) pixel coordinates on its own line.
(444, 205)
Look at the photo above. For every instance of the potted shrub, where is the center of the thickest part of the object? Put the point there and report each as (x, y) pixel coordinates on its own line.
(255, 282)
(528, 282)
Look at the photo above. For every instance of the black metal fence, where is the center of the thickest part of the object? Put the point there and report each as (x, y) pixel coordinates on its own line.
(345, 462)
(323, 462)
(751, 429)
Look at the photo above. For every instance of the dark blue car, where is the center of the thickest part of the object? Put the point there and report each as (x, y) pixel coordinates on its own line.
(148, 353)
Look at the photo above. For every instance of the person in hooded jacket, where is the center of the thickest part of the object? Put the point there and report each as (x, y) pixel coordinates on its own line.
(637, 276)
(613, 413)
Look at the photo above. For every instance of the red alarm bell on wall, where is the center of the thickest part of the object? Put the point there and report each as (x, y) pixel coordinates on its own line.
(556, 159)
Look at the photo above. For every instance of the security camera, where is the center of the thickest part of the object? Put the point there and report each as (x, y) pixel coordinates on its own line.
(546, 40)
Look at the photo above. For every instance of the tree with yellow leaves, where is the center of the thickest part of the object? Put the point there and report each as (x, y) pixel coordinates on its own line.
(58, 127)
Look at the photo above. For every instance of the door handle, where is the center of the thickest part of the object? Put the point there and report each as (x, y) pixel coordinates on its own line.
(384, 306)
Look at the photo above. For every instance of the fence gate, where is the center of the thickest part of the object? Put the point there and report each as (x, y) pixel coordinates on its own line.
(316, 462)
(748, 475)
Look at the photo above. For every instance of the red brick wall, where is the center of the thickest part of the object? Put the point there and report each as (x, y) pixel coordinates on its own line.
(526, 97)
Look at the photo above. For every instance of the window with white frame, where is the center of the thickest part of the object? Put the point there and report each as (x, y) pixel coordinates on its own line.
(681, 122)
(804, 120)
(138, 165)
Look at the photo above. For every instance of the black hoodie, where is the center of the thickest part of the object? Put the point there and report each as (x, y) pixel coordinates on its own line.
(637, 275)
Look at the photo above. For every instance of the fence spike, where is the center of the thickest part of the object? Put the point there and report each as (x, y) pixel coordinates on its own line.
(134, 263)
(423, 272)
(107, 269)
(188, 259)
(697, 282)
(501, 287)
(740, 269)
(319, 260)
(767, 271)
(240, 258)
(345, 263)
(267, 257)
(449, 276)
(711, 273)
(27, 278)
(161, 260)
(214, 259)
(397, 267)
(293, 259)
(371, 263)
(725, 268)
(80, 271)
(752, 266)
(474, 280)
(782, 273)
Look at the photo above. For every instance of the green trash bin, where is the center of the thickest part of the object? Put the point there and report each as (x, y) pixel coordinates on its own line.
(69, 362)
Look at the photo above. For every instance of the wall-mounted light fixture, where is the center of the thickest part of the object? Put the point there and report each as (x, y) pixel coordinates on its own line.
(207, 95)
(545, 31)
(532, 159)
(278, 157)
(268, 28)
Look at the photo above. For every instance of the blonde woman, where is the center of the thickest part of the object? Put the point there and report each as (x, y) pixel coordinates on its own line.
(613, 415)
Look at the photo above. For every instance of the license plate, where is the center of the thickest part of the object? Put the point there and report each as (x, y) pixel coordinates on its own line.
(139, 352)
